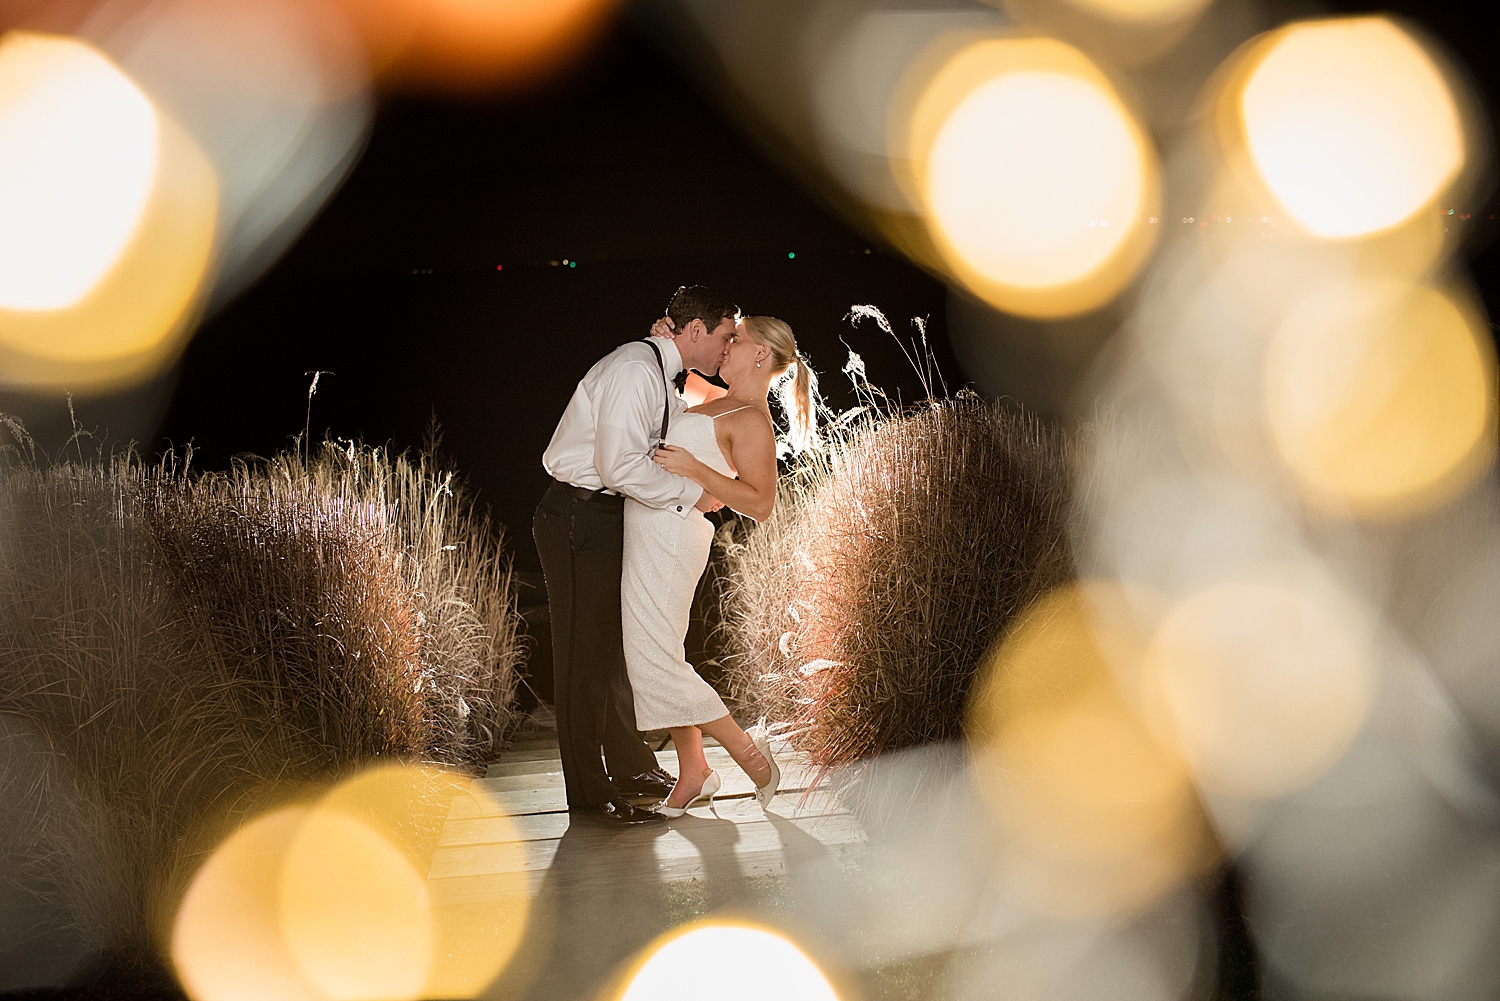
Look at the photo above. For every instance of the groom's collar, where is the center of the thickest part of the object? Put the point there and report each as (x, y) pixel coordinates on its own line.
(671, 358)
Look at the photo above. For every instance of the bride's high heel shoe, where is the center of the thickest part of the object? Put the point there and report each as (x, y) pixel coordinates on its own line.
(762, 740)
(711, 786)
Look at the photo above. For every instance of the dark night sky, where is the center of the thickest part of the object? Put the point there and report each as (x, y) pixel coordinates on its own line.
(623, 167)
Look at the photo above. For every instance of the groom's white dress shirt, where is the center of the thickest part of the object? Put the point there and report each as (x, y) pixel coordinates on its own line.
(609, 429)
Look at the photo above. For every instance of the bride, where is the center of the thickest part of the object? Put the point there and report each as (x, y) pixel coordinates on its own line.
(727, 446)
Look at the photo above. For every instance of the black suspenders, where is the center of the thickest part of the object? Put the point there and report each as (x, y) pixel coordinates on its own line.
(666, 410)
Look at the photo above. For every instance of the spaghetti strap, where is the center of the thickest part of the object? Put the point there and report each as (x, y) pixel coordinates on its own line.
(748, 406)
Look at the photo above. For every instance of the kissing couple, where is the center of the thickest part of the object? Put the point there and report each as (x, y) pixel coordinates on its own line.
(623, 540)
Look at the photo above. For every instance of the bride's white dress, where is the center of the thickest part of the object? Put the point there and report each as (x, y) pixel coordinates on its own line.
(665, 554)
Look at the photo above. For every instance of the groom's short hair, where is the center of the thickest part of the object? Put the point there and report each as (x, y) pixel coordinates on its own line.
(694, 302)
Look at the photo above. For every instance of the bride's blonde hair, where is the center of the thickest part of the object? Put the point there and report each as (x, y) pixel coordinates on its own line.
(796, 384)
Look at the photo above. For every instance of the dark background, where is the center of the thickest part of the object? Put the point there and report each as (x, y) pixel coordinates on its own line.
(623, 168)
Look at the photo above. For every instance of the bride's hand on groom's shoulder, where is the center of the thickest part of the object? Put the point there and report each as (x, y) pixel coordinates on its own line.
(663, 327)
(676, 460)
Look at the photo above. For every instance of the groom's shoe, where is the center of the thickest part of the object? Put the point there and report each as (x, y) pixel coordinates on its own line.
(619, 813)
(657, 782)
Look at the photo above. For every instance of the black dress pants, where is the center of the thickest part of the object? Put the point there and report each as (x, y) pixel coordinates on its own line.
(581, 540)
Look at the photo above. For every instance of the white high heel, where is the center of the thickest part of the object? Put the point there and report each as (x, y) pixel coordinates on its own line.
(762, 740)
(711, 786)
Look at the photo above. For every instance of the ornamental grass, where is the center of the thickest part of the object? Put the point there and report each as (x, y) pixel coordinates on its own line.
(861, 609)
(181, 650)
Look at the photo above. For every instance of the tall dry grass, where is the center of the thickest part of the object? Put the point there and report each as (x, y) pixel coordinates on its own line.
(185, 648)
(860, 611)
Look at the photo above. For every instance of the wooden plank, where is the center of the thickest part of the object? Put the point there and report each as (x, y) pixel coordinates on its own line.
(520, 783)
(529, 827)
(553, 799)
(516, 794)
(497, 886)
(796, 772)
(512, 803)
(595, 847)
(505, 767)
(529, 739)
(544, 752)
(509, 803)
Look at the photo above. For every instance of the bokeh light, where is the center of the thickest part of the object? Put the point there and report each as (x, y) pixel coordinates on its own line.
(100, 286)
(226, 941)
(463, 42)
(1381, 397)
(692, 959)
(1261, 682)
(1104, 813)
(78, 147)
(1141, 12)
(354, 912)
(331, 901)
(1035, 178)
(472, 939)
(1350, 124)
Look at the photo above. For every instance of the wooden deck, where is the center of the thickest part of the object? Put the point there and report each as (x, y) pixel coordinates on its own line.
(596, 894)
(510, 841)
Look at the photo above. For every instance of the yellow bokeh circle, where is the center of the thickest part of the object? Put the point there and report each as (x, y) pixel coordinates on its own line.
(1102, 810)
(1349, 123)
(1141, 12)
(332, 901)
(227, 943)
(1261, 682)
(121, 208)
(688, 959)
(1381, 397)
(1035, 180)
(354, 912)
(78, 157)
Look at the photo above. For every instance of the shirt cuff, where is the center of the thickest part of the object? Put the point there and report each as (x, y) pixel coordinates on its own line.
(685, 504)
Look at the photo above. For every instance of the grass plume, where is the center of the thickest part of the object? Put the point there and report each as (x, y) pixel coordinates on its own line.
(861, 610)
(181, 649)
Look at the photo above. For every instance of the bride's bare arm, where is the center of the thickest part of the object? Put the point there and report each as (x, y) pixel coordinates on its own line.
(751, 449)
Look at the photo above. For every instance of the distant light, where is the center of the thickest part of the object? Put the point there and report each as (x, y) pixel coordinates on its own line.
(790, 256)
(565, 260)
(78, 158)
(696, 955)
(499, 267)
(572, 264)
(1351, 125)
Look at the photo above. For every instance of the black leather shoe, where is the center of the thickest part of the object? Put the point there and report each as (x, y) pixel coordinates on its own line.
(620, 813)
(657, 782)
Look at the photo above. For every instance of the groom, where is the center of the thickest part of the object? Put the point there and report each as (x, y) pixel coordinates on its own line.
(599, 455)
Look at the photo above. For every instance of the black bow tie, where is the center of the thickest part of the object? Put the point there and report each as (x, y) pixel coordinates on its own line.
(680, 379)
